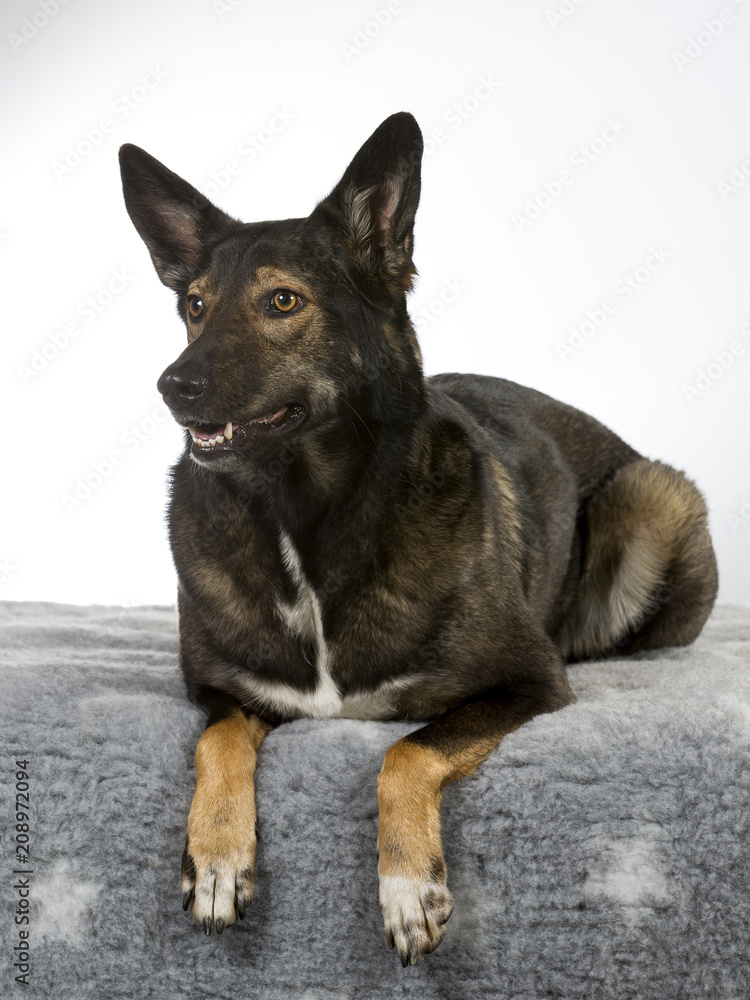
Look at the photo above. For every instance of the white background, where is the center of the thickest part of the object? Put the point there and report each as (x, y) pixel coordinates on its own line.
(514, 90)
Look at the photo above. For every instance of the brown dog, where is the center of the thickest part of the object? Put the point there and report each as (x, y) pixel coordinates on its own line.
(353, 539)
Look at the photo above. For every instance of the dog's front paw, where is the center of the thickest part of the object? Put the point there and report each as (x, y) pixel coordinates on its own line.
(219, 859)
(218, 863)
(218, 877)
(415, 912)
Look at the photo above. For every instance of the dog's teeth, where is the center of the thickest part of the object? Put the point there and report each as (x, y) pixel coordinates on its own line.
(226, 435)
(206, 442)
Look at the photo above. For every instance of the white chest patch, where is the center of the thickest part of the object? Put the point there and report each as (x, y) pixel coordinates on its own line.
(304, 619)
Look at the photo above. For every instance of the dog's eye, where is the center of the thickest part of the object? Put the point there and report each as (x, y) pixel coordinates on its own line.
(285, 302)
(195, 306)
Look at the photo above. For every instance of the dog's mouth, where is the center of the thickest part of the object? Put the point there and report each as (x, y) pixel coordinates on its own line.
(210, 438)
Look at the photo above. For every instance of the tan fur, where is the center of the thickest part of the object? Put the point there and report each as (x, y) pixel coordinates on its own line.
(410, 787)
(640, 526)
(221, 824)
(409, 792)
(508, 511)
(414, 896)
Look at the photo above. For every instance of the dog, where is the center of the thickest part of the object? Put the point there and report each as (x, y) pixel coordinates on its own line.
(354, 539)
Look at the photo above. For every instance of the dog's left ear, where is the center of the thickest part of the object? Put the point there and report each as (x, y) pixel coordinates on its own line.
(374, 204)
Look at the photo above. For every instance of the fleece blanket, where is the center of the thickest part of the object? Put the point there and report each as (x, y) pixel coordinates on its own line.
(600, 852)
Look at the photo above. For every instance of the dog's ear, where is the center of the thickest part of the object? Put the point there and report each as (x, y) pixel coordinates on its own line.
(175, 221)
(374, 204)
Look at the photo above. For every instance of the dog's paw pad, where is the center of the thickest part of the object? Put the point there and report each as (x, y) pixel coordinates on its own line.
(415, 913)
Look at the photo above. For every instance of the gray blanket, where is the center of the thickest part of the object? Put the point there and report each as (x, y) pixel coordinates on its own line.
(601, 852)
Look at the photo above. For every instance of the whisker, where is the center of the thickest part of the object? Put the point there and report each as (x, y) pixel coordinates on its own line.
(364, 423)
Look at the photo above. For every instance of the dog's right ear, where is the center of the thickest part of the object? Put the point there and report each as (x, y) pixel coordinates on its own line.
(175, 221)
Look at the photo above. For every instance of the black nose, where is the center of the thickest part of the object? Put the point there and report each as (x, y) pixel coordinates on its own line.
(179, 390)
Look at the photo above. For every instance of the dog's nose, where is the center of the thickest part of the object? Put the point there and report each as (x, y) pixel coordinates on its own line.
(178, 390)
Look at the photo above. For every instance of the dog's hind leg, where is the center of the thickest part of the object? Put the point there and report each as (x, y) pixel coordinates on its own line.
(649, 575)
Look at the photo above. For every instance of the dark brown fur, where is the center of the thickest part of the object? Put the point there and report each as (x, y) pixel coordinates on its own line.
(377, 544)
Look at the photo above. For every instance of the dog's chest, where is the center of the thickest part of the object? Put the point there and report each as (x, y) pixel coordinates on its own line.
(302, 618)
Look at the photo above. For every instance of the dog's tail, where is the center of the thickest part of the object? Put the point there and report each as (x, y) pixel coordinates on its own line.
(649, 574)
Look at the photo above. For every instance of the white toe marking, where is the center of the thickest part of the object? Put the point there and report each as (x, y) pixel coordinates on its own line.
(400, 899)
(414, 928)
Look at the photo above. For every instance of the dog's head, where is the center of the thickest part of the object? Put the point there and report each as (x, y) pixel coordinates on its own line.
(295, 325)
